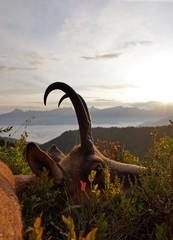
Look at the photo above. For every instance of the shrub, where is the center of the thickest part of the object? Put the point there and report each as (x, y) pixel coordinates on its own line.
(40, 200)
(145, 211)
(13, 155)
(114, 151)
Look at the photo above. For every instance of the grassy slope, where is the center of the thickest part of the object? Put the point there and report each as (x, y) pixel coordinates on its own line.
(136, 140)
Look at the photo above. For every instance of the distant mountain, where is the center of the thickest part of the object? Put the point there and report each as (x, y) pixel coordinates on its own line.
(57, 116)
(110, 116)
(162, 122)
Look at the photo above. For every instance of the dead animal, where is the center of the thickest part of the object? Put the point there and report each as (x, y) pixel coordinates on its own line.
(82, 158)
(10, 211)
(78, 164)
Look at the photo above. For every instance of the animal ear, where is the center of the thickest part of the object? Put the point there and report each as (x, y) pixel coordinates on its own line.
(56, 154)
(38, 159)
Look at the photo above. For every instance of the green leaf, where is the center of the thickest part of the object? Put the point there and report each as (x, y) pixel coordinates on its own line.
(70, 224)
(162, 229)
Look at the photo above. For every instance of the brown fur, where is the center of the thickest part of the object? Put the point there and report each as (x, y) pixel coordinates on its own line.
(10, 211)
(78, 165)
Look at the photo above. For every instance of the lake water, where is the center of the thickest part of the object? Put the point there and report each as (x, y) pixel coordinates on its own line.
(45, 133)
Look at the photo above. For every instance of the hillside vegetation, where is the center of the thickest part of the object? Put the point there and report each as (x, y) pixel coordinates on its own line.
(136, 140)
(144, 212)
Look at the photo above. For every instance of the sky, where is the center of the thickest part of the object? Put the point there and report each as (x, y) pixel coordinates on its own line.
(113, 52)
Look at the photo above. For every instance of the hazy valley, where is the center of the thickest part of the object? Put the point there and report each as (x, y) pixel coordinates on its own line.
(117, 116)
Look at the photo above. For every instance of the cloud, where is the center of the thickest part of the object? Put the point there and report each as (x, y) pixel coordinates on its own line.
(5, 69)
(105, 87)
(104, 103)
(29, 56)
(104, 100)
(103, 56)
(123, 47)
(131, 44)
(19, 90)
(150, 105)
(24, 61)
(171, 1)
(116, 87)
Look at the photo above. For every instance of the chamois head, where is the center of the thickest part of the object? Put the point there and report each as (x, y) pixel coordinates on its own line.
(82, 158)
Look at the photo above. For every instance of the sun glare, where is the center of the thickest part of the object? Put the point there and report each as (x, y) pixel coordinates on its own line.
(154, 77)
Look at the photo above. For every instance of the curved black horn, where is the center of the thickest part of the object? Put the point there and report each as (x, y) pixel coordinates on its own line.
(85, 107)
(83, 101)
(82, 116)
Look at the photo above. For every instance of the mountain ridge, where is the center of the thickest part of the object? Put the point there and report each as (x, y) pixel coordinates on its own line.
(112, 116)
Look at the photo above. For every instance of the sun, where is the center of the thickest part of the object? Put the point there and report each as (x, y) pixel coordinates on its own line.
(154, 77)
